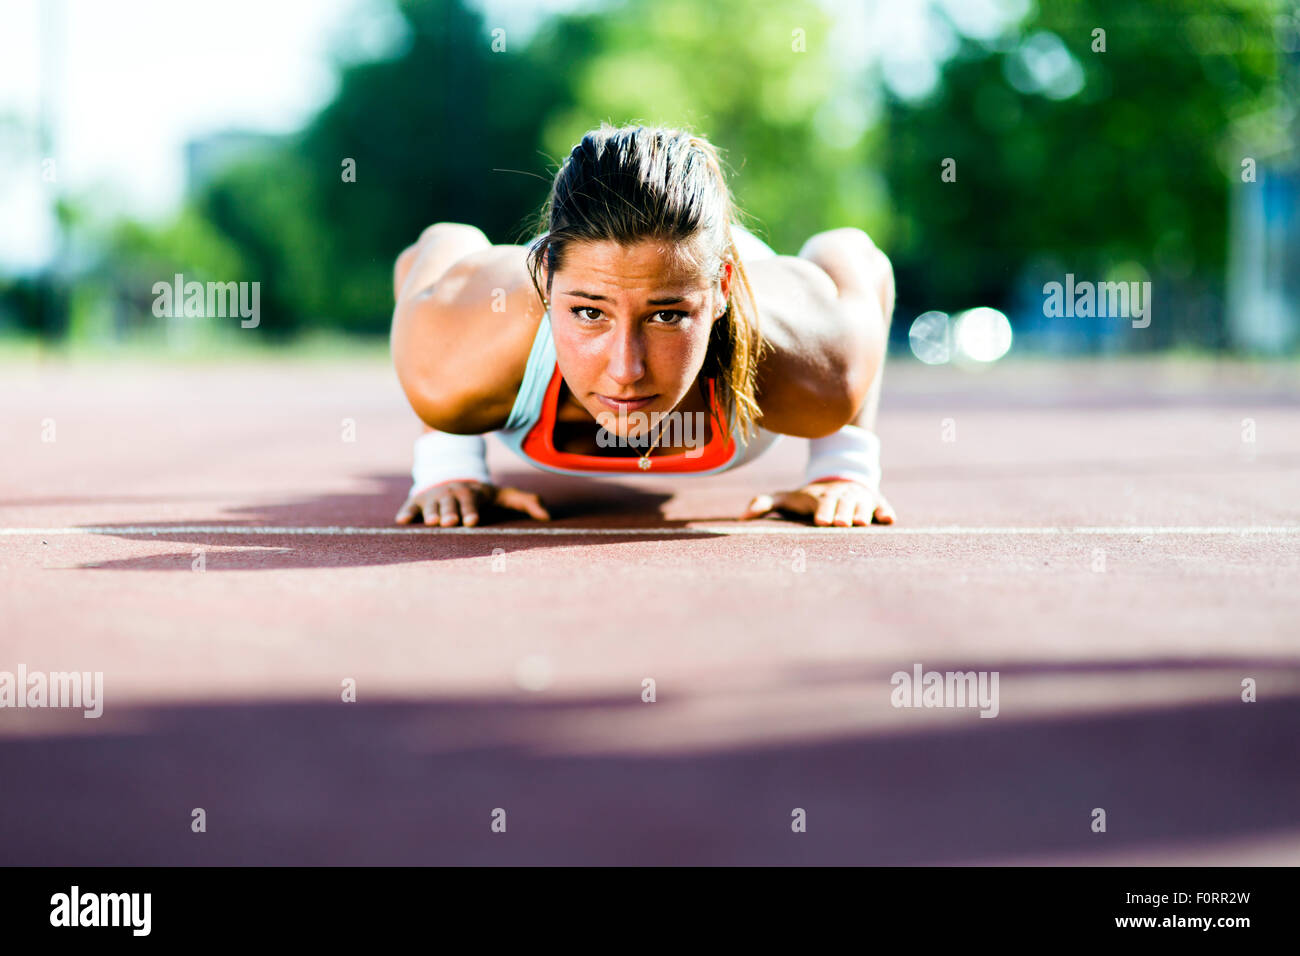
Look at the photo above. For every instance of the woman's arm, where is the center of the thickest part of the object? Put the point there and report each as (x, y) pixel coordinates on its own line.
(825, 321)
(439, 286)
(842, 481)
(877, 285)
(463, 326)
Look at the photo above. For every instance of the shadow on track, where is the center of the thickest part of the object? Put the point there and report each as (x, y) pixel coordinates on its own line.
(415, 781)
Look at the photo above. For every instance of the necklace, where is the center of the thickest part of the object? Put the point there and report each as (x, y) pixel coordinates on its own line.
(644, 462)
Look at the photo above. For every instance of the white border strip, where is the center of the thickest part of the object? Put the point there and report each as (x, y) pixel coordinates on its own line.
(747, 528)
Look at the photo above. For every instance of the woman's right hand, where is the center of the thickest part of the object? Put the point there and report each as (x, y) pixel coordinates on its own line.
(461, 502)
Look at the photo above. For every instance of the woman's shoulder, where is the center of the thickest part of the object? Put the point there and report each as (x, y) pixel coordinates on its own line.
(467, 340)
(809, 347)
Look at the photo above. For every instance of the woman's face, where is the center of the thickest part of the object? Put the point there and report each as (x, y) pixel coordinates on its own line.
(631, 328)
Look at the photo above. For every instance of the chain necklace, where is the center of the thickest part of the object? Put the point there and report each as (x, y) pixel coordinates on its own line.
(644, 462)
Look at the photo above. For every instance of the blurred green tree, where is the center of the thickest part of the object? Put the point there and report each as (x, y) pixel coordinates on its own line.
(436, 133)
(1068, 158)
(466, 125)
(1080, 151)
(759, 78)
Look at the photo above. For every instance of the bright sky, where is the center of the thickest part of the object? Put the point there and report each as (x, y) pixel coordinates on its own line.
(130, 82)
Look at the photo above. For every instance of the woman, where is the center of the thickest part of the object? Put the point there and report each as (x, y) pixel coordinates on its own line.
(643, 332)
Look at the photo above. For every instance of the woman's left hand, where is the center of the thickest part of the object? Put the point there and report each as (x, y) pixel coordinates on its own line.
(841, 504)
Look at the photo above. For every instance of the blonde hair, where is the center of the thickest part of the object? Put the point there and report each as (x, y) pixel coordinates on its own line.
(632, 183)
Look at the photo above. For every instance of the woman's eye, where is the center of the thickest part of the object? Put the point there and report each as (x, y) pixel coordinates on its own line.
(661, 318)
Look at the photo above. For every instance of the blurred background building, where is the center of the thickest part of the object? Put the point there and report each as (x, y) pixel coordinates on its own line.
(1264, 258)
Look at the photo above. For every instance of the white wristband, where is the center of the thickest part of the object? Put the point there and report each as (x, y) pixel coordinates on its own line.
(441, 457)
(850, 454)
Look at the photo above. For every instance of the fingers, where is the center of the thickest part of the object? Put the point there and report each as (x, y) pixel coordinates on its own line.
(524, 501)
(862, 512)
(843, 507)
(846, 510)
(448, 509)
(432, 513)
(446, 505)
(826, 508)
(458, 503)
(795, 502)
(852, 507)
(468, 510)
(408, 512)
(854, 510)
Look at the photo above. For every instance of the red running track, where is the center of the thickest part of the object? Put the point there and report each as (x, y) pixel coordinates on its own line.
(500, 669)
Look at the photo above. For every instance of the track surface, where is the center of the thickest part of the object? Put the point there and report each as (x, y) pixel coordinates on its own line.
(502, 669)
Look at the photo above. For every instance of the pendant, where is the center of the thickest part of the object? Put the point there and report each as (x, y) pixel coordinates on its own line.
(644, 464)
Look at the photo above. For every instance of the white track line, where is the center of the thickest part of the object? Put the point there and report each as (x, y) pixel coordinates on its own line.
(755, 528)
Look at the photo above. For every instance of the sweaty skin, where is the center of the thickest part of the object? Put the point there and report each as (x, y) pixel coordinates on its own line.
(631, 325)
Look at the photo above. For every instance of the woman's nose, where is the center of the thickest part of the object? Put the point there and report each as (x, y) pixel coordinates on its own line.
(626, 357)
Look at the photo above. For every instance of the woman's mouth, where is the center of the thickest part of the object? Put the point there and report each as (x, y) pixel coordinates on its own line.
(624, 405)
